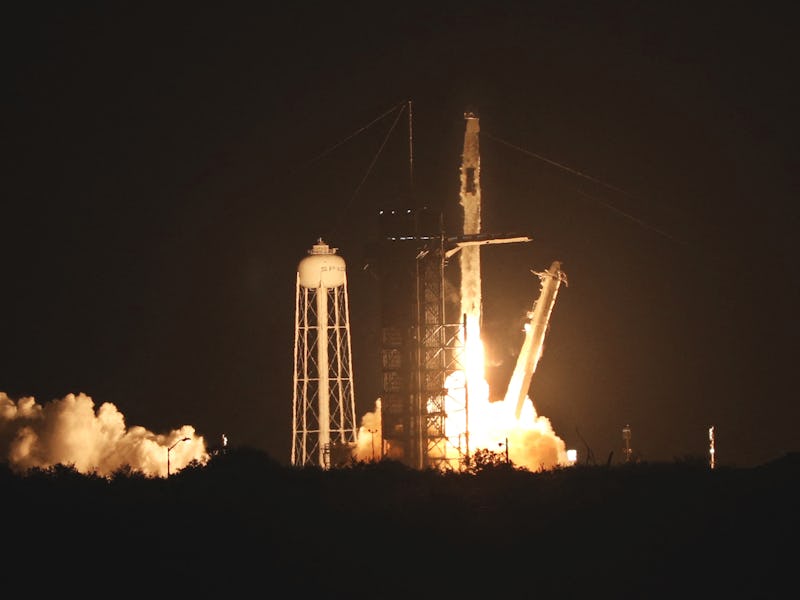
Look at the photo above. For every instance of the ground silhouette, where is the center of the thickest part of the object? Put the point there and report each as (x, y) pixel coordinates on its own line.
(242, 524)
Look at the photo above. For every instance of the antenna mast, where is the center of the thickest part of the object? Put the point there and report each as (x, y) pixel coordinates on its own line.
(410, 148)
(626, 436)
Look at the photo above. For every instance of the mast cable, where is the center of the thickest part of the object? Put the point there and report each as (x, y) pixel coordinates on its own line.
(590, 196)
(410, 149)
(369, 168)
(560, 166)
(355, 133)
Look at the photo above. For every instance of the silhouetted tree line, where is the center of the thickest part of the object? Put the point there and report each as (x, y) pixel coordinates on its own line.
(243, 524)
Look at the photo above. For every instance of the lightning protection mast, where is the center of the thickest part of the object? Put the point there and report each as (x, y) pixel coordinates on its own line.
(324, 415)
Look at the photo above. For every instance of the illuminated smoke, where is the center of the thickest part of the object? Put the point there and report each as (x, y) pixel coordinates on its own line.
(511, 426)
(369, 443)
(69, 431)
(474, 423)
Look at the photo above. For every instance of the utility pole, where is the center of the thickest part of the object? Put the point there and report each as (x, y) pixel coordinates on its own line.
(372, 441)
(186, 439)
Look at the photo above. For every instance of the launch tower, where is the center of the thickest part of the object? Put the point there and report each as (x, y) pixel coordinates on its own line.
(423, 336)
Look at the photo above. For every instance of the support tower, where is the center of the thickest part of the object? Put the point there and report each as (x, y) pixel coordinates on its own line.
(324, 418)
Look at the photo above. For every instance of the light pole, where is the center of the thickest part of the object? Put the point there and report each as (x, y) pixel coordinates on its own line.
(502, 444)
(372, 441)
(186, 439)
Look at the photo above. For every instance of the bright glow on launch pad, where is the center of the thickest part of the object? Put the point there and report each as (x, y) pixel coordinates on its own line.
(472, 422)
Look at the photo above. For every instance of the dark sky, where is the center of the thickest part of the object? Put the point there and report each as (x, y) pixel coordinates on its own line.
(168, 165)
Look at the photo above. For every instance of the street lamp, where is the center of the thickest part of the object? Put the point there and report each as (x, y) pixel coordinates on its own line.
(186, 439)
(501, 444)
(372, 441)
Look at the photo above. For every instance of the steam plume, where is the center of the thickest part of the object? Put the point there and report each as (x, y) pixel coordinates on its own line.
(70, 431)
(369, 443)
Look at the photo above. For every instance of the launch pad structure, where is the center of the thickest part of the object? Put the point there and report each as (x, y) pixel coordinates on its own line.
(417, 345)
(420, 345)
(422, 335)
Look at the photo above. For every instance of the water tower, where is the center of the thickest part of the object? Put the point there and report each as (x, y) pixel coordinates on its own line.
(324, 413)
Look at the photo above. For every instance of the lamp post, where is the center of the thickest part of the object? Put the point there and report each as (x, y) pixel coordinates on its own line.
(372, 441)
(504, 444)
(186, 439)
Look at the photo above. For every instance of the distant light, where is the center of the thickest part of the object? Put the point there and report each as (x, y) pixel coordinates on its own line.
(711, 450)
(572, 456)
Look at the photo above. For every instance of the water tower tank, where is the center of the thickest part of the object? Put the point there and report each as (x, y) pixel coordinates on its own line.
(322, 268)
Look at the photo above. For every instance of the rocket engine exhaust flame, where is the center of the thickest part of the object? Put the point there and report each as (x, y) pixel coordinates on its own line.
(69, 431)
(527, 439)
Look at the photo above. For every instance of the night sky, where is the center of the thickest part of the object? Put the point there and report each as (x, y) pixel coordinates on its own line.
(168, 165)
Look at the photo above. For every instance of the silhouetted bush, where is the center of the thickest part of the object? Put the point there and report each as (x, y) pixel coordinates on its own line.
(635, 530)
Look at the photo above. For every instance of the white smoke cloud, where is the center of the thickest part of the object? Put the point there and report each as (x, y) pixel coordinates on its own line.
(533, 444)
(69, 431)
(530, 441)
(369, 443)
